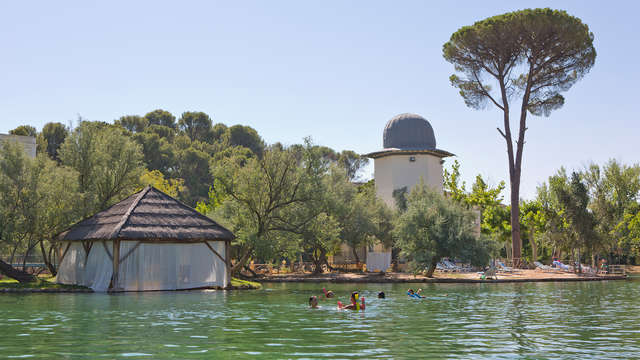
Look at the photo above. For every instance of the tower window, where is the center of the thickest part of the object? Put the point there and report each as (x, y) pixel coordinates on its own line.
(412, 158)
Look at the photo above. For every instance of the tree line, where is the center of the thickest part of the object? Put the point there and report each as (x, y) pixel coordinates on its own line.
(288, 202)
(298, 201)
(311, 204)
(583, 216)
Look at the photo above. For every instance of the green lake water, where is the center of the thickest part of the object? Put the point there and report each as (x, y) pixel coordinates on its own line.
(586, 320)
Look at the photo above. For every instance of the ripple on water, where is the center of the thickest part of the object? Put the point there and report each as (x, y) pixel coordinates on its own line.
(528, 321)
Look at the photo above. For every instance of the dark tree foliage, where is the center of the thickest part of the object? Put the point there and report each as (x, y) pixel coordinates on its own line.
(218, 132)
(246, 136)
(24, 130)
(192, 165)
(536, 54)
(197, 125)
(133, 123)
(54, 135)
(158, 152)
(161, 117)
(162, 131)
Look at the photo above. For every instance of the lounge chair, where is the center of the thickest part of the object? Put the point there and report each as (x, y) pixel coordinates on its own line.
(560, 265)
(503, 267)
(451, 266)
(542, 266)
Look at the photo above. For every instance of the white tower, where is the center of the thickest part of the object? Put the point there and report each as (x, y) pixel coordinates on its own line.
(409, 153)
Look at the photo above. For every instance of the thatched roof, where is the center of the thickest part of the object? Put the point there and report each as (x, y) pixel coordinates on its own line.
(149, 215)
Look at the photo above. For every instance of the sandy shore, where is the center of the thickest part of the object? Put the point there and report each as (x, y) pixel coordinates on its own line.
(439, 277)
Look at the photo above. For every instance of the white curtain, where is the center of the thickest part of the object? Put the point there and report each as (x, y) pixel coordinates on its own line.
(95, 273)
(153, 266)
(378, 261)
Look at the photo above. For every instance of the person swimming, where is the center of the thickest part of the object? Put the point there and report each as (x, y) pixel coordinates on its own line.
(313, 302)
(415, 294)
(354, 303)
(328, 294)
(381, 295)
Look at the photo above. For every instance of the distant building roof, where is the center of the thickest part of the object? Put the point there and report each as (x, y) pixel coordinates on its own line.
(409, 134)
(28, 142)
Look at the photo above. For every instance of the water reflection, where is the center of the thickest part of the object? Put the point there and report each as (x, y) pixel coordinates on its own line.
(540, 320)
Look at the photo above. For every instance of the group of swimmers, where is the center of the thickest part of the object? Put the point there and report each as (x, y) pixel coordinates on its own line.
(357, 302)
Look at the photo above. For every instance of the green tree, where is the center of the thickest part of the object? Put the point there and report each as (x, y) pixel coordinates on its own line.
(155, 178)
(161, 117)
(434, 227)
(628, 232)
(451, 183)
(218, 132)
(352, 163)
(574, 201)
(24, 130)
(258, 194)
(158, 154)
(133, 123)
(38, 199)
(533, 223)
(108, 162)
(536, 53)
(162, 131)
(613, 190)
(52, 137)
(197, 125)
(192, 165)
(246, 136)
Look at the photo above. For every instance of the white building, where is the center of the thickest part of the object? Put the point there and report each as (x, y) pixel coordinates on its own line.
(409, 154)
(28, 142)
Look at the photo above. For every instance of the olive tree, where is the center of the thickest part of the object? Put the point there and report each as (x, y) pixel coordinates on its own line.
(259, 195)
(433, 227)
(38, 199)
(108, 162)
(536, 54)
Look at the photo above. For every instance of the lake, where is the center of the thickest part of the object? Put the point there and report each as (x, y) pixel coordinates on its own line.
(577, 320)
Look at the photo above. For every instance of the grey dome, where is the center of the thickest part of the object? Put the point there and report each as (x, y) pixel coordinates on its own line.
(409, 131)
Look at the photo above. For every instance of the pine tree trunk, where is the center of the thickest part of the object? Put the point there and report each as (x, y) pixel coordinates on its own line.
(516, 241)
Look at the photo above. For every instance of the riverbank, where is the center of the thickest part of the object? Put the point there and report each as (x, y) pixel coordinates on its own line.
(471, 277)
(41, 286)
(49, 286)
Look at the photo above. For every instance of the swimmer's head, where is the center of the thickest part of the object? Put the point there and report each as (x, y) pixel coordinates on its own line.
(354, 296)
(410, 291)
(381, 295)
(328, 294)
(313, 301)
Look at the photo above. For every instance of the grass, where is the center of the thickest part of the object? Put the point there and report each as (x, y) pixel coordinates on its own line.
(244, 284)
(44, 282)
(48, 282)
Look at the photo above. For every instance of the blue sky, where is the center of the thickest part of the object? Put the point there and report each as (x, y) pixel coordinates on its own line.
(333, 70)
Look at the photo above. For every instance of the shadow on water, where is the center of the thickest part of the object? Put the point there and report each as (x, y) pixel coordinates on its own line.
(586, 320)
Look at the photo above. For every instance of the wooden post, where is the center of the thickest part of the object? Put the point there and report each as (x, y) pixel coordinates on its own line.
(116, 266)
(227, 255)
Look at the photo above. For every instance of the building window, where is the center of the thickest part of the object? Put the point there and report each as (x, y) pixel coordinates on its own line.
(412, 158)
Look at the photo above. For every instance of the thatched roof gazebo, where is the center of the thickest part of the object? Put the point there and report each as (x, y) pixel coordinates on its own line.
(148, 241)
